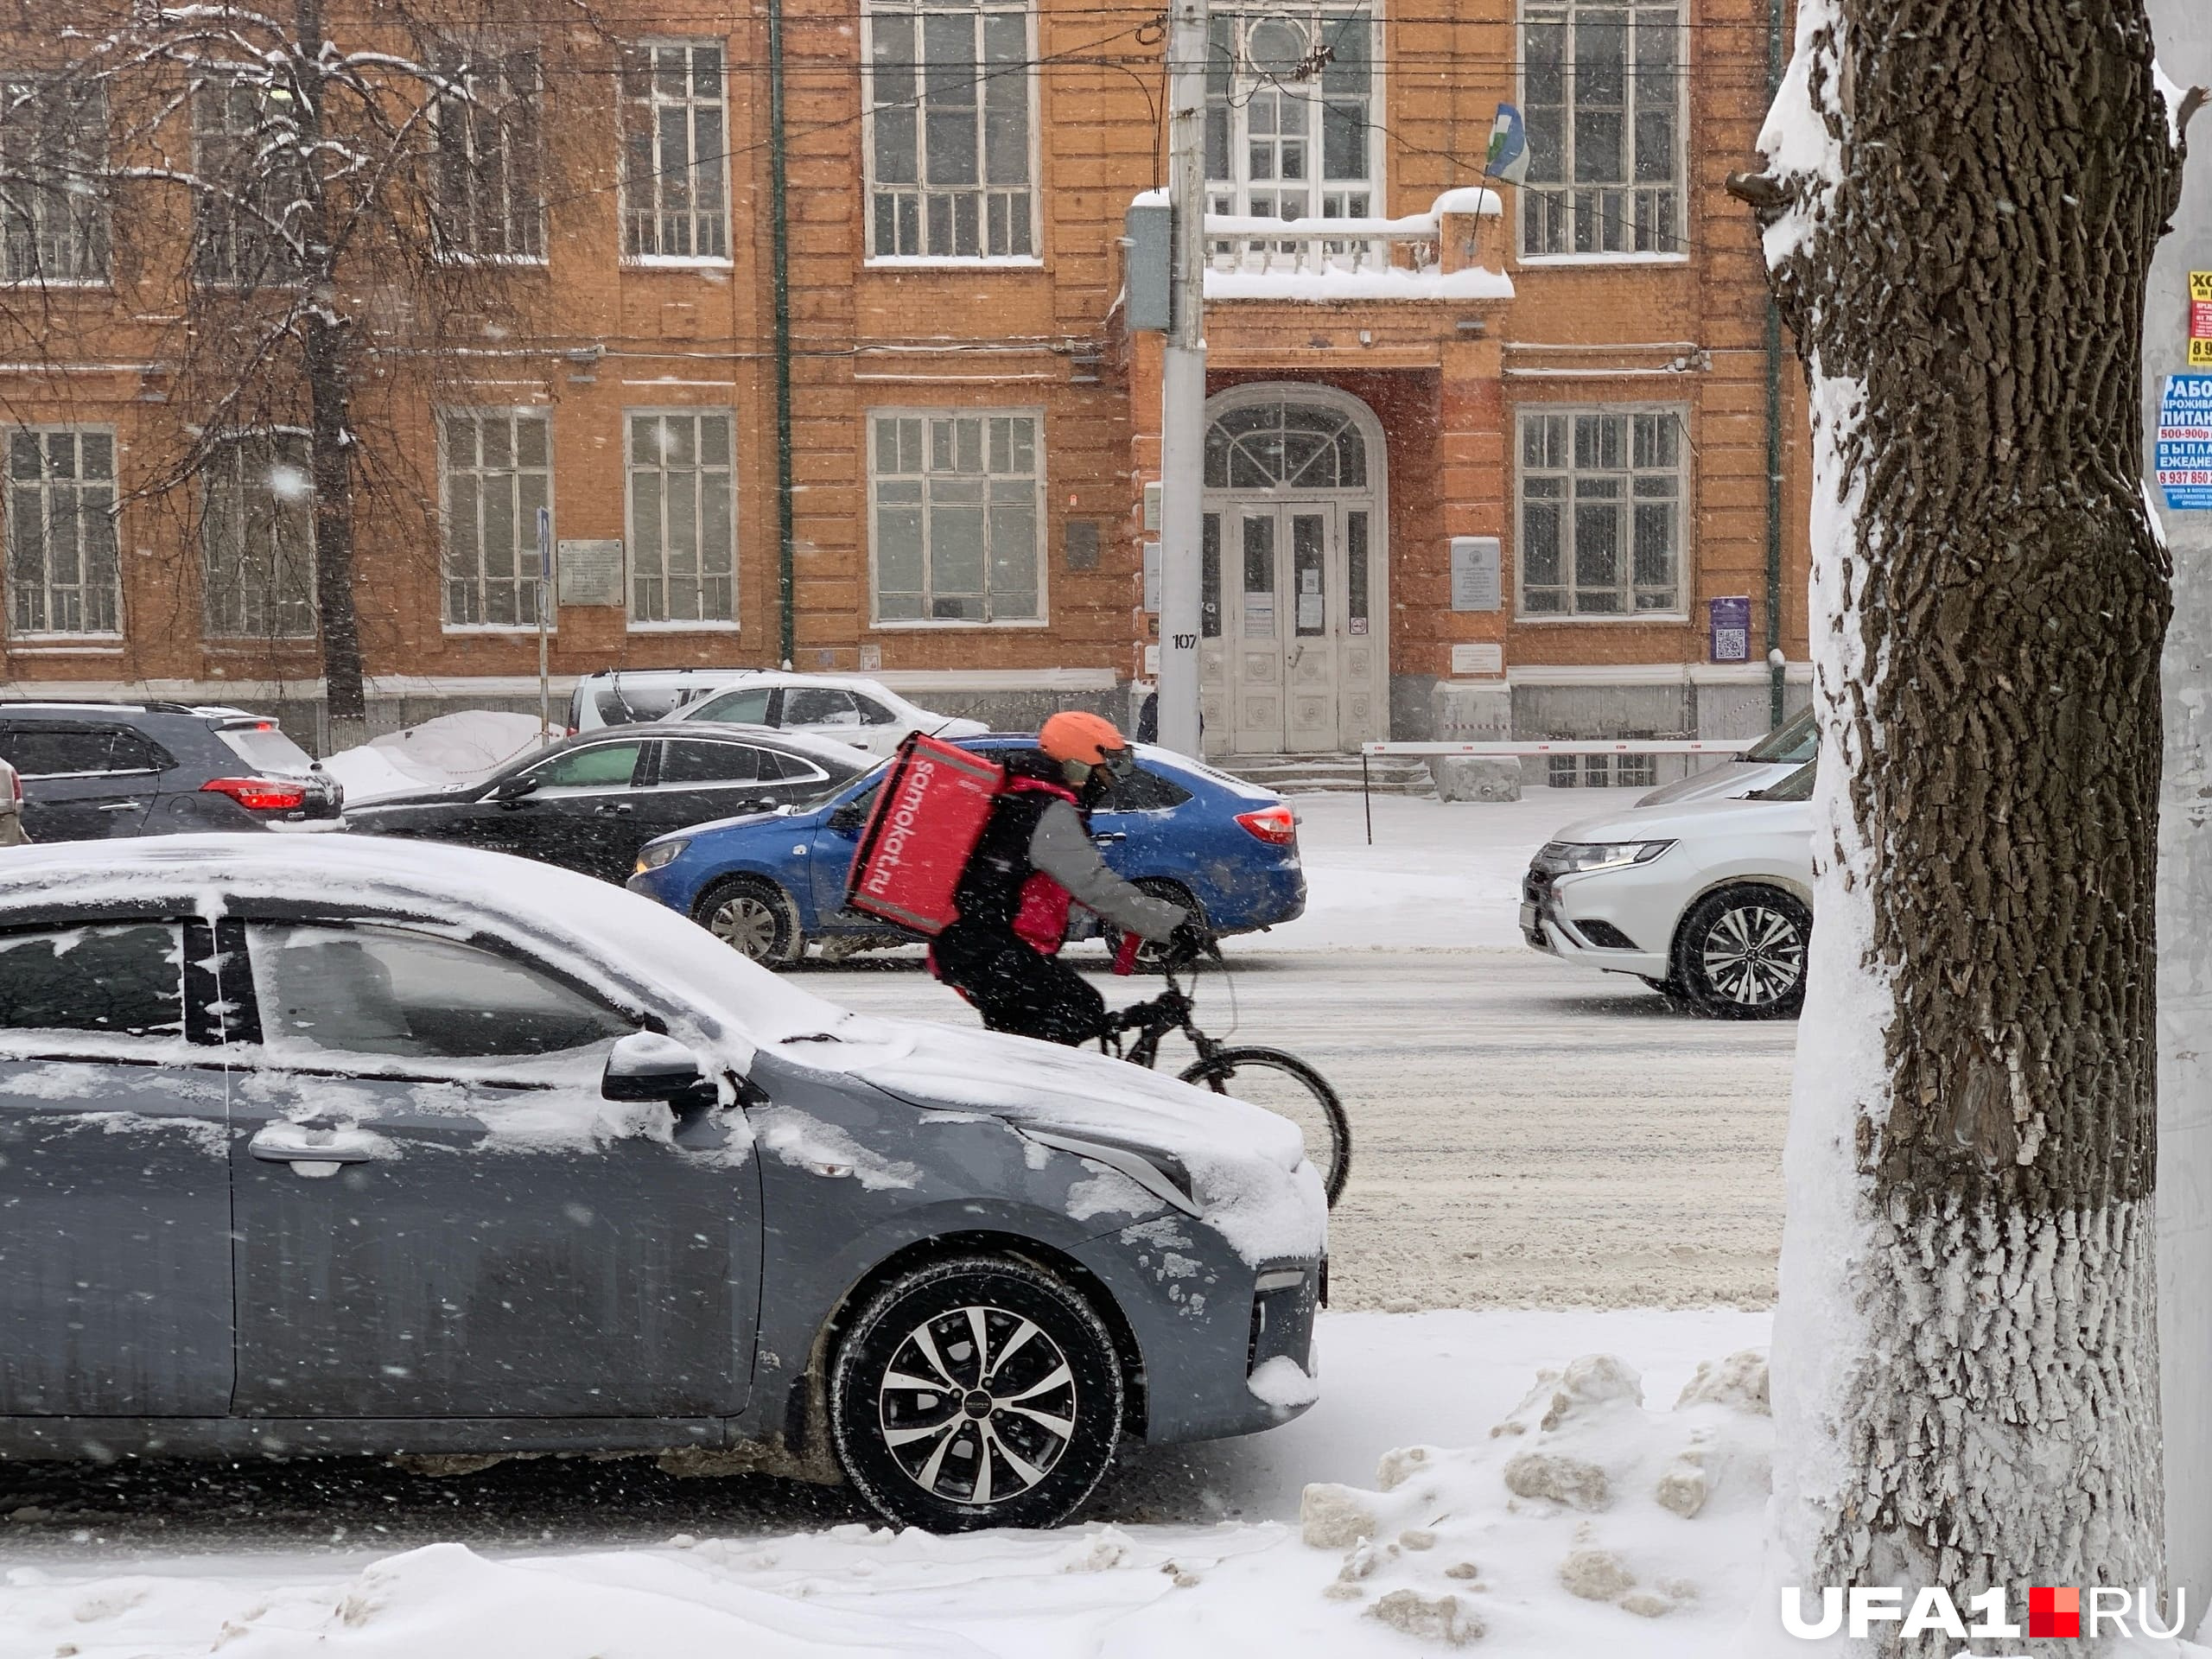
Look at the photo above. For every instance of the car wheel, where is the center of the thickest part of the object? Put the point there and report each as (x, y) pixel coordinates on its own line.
(1151, 953)
(979, 1392)
(1741, 953)
(754, 917)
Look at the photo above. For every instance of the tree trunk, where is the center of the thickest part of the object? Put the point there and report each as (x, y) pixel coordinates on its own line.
(330, 449)
(1962, 200)
(328, 348)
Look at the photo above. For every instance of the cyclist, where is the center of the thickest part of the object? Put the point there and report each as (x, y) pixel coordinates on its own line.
(1034, 862)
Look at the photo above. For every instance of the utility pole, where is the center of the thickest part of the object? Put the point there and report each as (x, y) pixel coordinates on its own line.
(1183, 381)
(2183, 32)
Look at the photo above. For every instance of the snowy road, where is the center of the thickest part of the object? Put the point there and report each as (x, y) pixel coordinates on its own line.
(1524, 1131)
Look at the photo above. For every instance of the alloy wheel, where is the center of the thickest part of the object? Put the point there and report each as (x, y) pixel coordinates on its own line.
(977, 1404)
(1753, 955)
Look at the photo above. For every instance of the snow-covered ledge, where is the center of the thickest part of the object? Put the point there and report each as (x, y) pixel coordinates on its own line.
(1432, 256)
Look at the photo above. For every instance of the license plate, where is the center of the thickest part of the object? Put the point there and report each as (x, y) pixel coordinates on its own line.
(1528, 918)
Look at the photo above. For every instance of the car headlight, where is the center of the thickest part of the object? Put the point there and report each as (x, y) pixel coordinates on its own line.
(659, 853)
(1580, 857)
(1160, 1173)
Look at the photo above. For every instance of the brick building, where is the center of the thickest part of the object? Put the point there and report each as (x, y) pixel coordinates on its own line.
(1563, 395)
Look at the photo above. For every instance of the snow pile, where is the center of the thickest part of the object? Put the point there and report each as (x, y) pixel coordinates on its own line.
(1585, 1515)
(1441, 875)
(451, 749)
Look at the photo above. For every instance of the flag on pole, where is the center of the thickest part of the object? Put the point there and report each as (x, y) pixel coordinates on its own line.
(1509, 147)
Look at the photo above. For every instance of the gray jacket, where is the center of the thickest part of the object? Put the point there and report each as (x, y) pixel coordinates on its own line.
(1063, 849)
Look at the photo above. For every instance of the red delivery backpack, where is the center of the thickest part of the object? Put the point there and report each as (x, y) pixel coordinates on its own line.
(930, 812)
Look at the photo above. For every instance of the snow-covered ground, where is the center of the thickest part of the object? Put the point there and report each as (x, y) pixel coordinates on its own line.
(1593, 1527)
(1442, 875)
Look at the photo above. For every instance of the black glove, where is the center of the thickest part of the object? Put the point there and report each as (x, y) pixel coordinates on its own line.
(1192, 938)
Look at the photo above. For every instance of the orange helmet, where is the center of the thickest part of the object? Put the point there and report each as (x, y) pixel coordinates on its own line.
(1080, 740)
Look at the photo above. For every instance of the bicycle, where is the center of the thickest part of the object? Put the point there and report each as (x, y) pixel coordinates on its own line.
(1267, 1078)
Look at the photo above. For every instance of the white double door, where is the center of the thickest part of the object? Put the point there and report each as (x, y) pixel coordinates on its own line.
(1290, 653)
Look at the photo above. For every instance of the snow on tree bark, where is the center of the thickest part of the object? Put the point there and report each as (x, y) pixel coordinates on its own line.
(1960, 202)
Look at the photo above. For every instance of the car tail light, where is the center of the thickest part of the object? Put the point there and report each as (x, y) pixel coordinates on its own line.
(1276, 825)
(259, 794)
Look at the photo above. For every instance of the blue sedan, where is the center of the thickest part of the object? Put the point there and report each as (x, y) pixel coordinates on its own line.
(769, 884)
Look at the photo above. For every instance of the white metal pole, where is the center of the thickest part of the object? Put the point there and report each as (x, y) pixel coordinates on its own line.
(2183, 32)
(1183, 382)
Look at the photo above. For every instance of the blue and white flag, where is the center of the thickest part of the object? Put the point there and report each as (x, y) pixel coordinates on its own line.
(1509, 147)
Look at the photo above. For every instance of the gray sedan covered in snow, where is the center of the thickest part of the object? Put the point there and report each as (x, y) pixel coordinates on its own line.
(344, 1145)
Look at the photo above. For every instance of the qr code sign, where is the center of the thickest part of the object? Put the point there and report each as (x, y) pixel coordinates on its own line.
(1731, 645)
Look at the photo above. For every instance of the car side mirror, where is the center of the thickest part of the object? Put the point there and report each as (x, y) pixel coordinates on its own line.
(851, 815)
(513, 789)
(647, 1065)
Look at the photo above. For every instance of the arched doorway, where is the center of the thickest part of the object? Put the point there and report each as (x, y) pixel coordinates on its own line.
(1294, 623)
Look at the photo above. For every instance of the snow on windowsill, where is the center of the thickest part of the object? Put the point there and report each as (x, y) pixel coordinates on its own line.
(677, 262)
(58, 645)
(635, 627)
(517, 629)
(955, 623)
(1533, 259)
(1327, 287)
(1604, 619)
(953, 262)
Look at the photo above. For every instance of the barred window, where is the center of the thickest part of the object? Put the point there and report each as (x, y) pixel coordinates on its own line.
(498, 474)
(244, 154)
(490, 160)
(1601, 92)
(256, 532)
(683, 525)
(54, 208)
(956, 500)
(61, 546)
(1601, 512)
(949, 160)
(1288, 113)
(675, 143)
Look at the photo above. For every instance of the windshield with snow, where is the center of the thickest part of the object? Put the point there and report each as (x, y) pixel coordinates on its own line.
(1790, 743)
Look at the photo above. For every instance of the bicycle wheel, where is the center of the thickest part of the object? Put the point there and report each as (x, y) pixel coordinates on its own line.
(1286, 1085)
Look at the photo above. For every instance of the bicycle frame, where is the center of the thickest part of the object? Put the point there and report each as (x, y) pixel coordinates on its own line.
(1171, 1010)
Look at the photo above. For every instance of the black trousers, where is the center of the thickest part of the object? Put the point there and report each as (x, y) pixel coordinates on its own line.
(1017, 988)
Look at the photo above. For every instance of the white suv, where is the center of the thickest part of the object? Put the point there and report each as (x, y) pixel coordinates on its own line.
(860, 712)
(11, 807)
(1709, 903)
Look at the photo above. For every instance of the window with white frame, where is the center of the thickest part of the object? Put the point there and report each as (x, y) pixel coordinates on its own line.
(1289, 107)
(54, 208)
(675, 143)
(1601, 512)
(949, 169)
(1601, 92)
(256, 534)
(490, 155)
(957, 501)
(249, 173)
(62, 575)
(682, 523)
(498, 467)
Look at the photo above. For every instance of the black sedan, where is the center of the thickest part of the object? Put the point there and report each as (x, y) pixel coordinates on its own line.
(590, 802)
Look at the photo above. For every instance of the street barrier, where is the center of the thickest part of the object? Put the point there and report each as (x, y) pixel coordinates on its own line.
(1515, 748)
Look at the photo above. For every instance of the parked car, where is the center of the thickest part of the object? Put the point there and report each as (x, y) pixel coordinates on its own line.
(770, 886)
(1710, 903)
(855, 711)
(11, 807)
(1763, 765)
(328, 1146)
(93, 771)
(588, 804)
